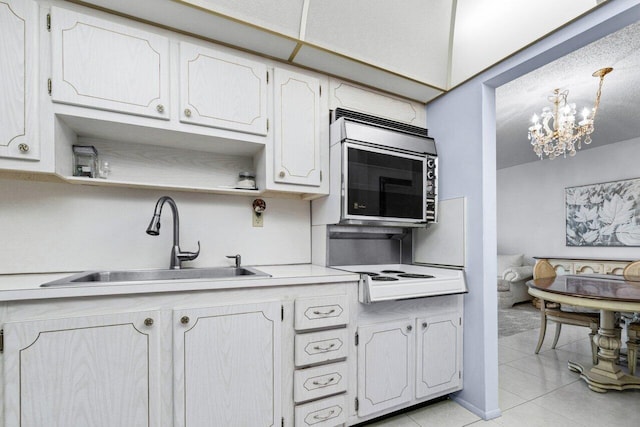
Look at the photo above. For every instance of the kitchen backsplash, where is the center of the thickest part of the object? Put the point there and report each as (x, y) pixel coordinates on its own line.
(55, 227)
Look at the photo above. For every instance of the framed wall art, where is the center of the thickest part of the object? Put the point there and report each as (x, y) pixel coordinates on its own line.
(606, 214)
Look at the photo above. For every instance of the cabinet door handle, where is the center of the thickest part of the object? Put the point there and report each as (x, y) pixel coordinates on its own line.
(184, 320)
(424, 325)
(329, 415)
(409, 328)
(148, 321)
(187, 112)
(160, 108)
(324, 313)
(325, 348)
(323, 383)
(23, 147)
(281, 174)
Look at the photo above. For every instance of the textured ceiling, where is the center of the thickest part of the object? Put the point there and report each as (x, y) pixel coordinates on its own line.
(618, 116)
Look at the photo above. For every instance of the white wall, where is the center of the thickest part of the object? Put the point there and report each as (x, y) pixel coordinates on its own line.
(52, 227)
(531, 206)
(463, 123)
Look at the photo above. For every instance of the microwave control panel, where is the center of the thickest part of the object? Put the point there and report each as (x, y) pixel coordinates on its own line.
(431, 186)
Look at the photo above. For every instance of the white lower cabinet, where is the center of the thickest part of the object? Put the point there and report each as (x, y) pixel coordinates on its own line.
(271, 356)
(327, 412)
(386, 368)
(227, 365)
(405, 361)
(82, 371)
(438, 353)
(321, 350)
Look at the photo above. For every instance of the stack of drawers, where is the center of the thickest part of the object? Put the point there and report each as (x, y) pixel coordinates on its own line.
(320, 378)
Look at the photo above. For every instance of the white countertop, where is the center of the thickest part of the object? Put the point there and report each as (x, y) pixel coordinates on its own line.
(27, 286)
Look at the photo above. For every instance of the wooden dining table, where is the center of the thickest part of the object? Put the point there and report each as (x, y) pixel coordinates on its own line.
(609, 294)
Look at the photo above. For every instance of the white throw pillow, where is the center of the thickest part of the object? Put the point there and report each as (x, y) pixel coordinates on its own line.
(506, 261)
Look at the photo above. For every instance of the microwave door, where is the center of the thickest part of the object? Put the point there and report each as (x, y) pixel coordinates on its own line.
(392, 186)
(382, 185)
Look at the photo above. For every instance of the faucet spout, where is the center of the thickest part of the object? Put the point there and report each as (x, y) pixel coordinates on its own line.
(177, 255)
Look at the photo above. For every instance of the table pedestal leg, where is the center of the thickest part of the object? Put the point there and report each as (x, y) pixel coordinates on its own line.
(606, 375)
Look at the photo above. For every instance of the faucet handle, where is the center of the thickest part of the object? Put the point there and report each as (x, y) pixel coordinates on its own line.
(238, 259)
(189, 256)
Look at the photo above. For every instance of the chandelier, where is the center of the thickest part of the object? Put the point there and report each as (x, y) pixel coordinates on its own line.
(555, 132)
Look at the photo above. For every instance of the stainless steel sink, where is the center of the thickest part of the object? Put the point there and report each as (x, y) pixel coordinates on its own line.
(128, 276)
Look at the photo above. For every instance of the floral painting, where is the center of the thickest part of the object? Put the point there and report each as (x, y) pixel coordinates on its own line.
(605, 214)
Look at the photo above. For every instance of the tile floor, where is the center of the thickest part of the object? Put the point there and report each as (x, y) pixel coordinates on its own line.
(537, 390)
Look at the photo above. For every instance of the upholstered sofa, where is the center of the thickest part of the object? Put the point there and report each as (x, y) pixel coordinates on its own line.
(513, 273)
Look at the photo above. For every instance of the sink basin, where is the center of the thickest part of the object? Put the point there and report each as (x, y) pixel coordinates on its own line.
(108, 276)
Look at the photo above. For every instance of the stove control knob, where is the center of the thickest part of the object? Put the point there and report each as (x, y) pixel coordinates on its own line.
(409, 328)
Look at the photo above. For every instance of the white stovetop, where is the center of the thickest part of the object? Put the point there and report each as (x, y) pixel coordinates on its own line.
(444, 282)
(407, 268)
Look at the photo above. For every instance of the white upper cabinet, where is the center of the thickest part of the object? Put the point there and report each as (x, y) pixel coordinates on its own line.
(104, 65)
(221, 90)
(364, 100)
(18, 68)
(297, 136)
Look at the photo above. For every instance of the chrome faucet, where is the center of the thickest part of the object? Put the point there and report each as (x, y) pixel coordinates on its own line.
(177, 256)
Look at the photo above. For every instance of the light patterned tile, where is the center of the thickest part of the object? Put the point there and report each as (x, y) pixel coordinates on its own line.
(525, 341)
(401, 420)
(483, 423)
(508, 354)
(549, 368)
(507, 400)
(446, 413)
(561, 356)
(531, 415)
(588, 408)
(525, 385)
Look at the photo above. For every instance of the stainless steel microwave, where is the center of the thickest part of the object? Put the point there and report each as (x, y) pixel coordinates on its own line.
(382, 173)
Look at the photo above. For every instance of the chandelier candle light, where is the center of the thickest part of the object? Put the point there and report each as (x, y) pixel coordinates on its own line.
(565, 136)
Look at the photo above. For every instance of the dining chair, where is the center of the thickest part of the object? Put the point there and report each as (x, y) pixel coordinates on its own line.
(633, 328)
(562, 313)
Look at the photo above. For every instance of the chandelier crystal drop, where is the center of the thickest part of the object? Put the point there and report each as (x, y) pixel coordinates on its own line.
(555, 131)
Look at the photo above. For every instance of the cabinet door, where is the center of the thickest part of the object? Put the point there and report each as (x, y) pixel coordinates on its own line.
(386, 373)
(227, 365)
(296, 130)
(84, 371)
(439, 355)
(365, 100)
(101, 64)
(18, 68)
(222, 90)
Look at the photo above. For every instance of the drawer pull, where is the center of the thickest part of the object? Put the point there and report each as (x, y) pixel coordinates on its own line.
(324, 313)
(323, 383)
(326, 348)
(325, 417)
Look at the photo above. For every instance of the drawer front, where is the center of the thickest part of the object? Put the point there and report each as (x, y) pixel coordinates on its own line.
(321, 312)
(321, 381)
(320, 346)
(328, 412)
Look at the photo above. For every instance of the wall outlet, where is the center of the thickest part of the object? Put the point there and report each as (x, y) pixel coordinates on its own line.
(258, 219)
